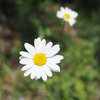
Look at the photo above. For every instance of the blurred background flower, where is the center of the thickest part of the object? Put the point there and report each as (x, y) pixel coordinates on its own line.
(68, 15)
(22, 21)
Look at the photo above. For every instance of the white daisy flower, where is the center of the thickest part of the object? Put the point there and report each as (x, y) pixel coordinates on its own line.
(40, 59)
(68, 15)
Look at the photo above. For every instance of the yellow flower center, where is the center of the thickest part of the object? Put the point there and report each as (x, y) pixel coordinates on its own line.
(67, 16)
(40, 59)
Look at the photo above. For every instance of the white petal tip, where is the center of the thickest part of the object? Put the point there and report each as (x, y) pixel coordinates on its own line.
(20, 62)
(61, 8)
(32, 77)
(22, 69)
(50, 75)
(25, 75)
(62, 57)
(20, 58)
(58, 45)
(25, 44)
(38, 38)
(57, 71)
(45, 80)
(20, 52)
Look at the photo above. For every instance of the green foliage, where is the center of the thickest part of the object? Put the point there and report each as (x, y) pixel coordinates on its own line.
(79, 78)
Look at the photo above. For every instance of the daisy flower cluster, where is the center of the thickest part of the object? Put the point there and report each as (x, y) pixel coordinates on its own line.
(68, 15)
(39, 60)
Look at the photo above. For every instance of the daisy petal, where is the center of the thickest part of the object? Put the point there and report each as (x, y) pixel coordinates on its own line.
(74, 14)
(27, 72)
(33, 74)
(26, 61)
(55, 59)
(55, 49)
(62, 9)
(71, 22)
(37, 44)
(38, 74)
(21, 57)
(38, 71)
(30, 48)
(44, 76)
(59, 14)
(26, 67)
(67, 9)
(54, 67)
(47, 71)
(43, 44)
(48, 47)
(25, 54)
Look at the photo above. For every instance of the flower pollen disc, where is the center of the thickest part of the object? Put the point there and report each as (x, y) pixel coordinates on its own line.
(40, 59)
